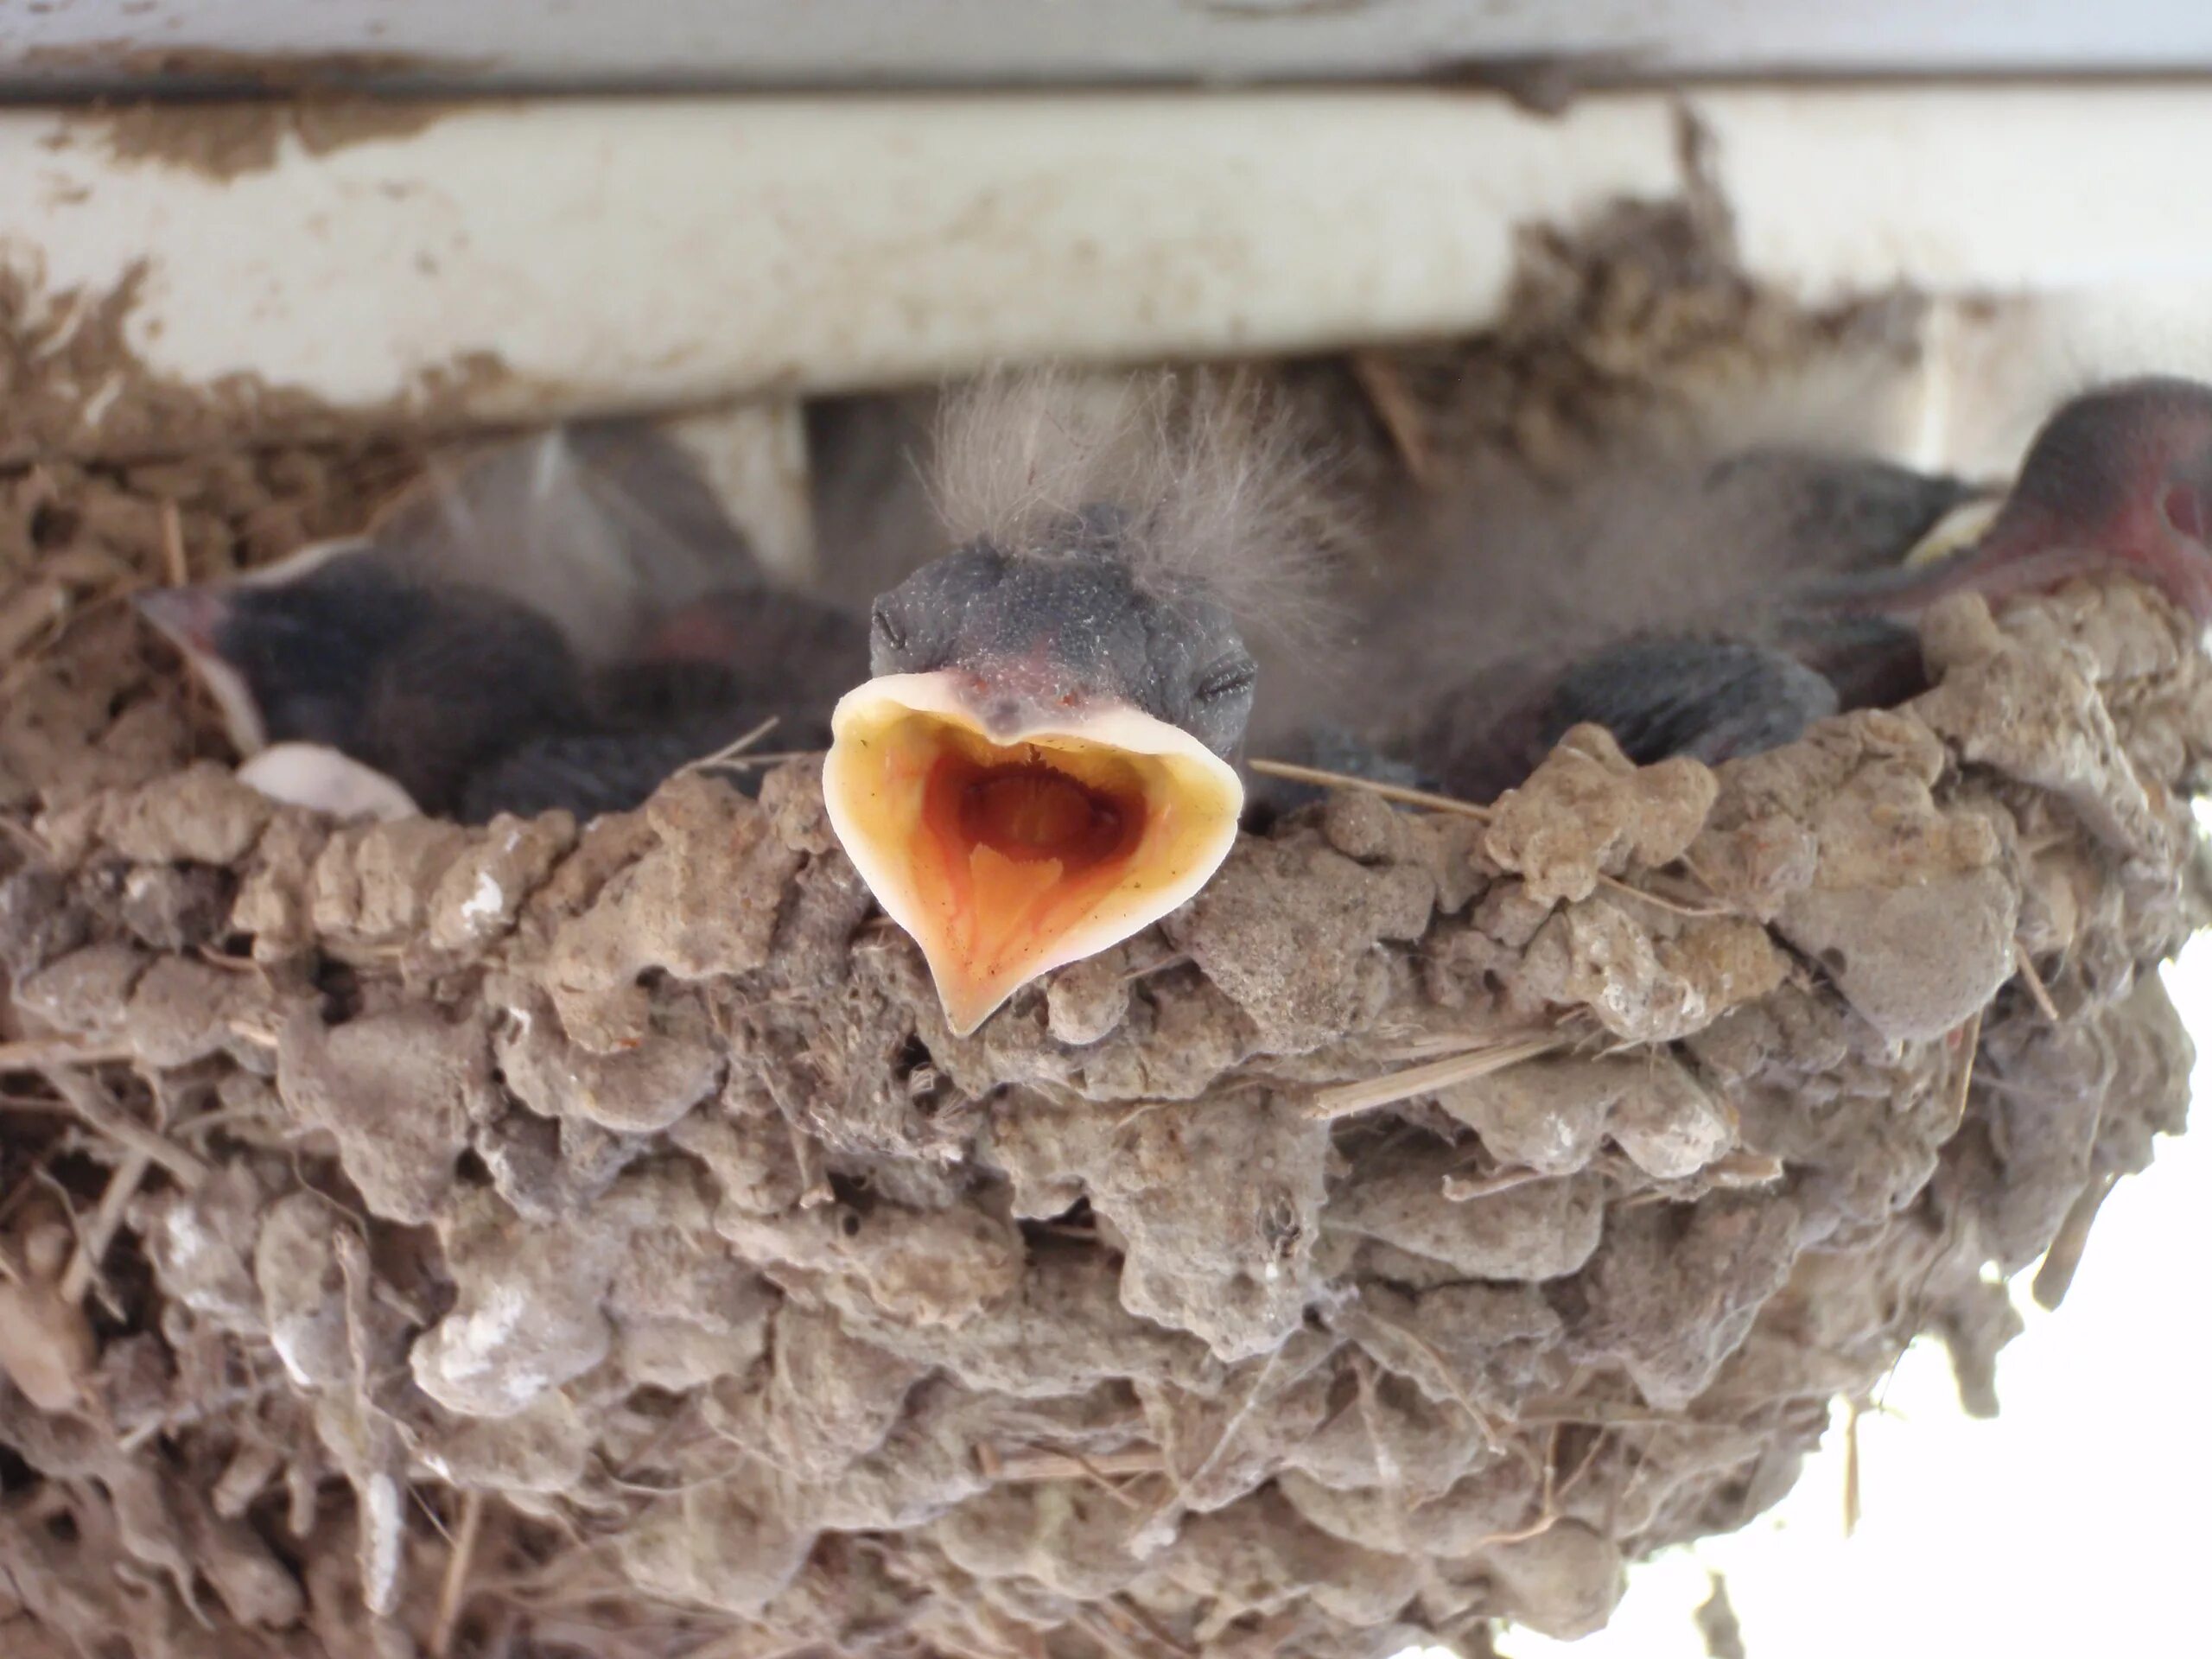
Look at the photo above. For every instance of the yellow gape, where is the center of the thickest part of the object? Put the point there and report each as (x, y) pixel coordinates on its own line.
(1006, 859)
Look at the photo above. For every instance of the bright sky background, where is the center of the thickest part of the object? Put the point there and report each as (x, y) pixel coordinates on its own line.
(2078, 1523)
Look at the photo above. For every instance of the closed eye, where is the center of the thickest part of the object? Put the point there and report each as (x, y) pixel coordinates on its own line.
(1225, 679)
(887, 629)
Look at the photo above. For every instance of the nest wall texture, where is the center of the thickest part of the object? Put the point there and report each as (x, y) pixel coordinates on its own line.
(590, 1239)
(617, 1197)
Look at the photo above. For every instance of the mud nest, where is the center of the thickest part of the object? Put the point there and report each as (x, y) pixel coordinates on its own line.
(554, 1239)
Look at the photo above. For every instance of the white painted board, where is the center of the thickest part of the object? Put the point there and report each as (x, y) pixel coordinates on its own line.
(664, 252)
(922, 42)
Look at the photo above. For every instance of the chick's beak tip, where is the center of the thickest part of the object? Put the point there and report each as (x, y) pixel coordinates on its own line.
(187, 616)
(1005, 860)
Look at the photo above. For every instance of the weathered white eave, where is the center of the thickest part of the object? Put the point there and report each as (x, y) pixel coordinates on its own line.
(656, 253)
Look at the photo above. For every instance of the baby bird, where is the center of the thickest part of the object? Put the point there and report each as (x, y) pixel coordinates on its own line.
(1043, 760)
(2117, 478)
(1787, 586)
(563, 623)
(426, 683)
(1653, 603)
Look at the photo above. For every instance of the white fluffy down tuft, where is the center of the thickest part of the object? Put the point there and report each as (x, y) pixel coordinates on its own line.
(1225, 491)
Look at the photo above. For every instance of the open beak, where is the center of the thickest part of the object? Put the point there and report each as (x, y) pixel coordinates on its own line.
(1009, 853)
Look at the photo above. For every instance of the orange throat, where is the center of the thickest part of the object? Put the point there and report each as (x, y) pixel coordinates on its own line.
(1018, 850)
